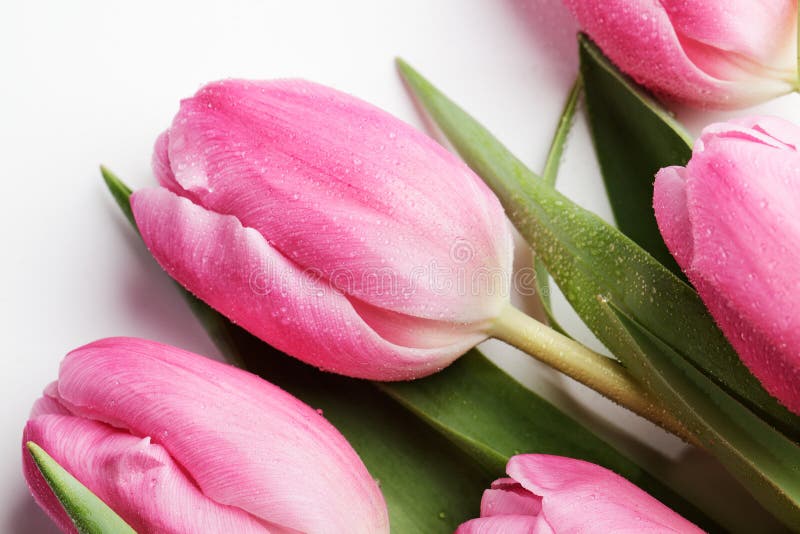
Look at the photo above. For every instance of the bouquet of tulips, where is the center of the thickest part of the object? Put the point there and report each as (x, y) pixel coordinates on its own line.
(346, 265)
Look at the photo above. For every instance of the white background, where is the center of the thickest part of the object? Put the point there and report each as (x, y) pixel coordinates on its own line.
(90, 82)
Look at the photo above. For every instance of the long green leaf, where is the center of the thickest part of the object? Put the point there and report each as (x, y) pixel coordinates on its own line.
(549, 175)
(588, 257)
(88, 513)
(764, 460)
(565, 120)
(434, 443)
(492, 418)
(633, 137)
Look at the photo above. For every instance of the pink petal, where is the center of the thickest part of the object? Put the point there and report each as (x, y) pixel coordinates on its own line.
(743, 197)
(237, 272)
(49, 404)
(579, 496)
(641, 39)
(338, 185)
(244, 442)
(137, 478)
(161, 167)
(509, 499)
(746, 31)
(781, 133)
(506, 524)
(669, 204)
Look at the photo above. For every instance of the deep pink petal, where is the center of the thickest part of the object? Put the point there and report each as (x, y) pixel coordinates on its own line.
(244, 442)
(237, 272)
(506, 524)
(137, 478)
(743, 196)
(674, 60)
(340, 186)
(669, 204)
(579, 496)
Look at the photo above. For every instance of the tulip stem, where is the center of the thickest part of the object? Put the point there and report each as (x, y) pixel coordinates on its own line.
(551, 166)
(602, 374)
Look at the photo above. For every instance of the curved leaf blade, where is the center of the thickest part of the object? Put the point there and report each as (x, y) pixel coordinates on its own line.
(120, 192)
(89, 514)
(549, 175)
(764, 460)
(492, 417)
(565, 121)
(588, 257)
(633, 137)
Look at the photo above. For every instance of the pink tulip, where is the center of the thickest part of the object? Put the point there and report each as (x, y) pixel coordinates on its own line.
(175, 442)
(730, 219)
(326, 227)
(554, 495)
(715, 53)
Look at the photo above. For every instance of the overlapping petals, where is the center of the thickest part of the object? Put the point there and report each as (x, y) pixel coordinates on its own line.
(718, 53)
(174, 442)
(327, 227)
(553, 494)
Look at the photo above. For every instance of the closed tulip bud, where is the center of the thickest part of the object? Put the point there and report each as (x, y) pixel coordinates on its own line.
(326, 227)
(174, 442)
(553, 494)
(730, 219)
(710, 53)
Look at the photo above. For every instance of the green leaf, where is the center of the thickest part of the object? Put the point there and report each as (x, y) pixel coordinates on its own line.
(89, 514)
(549, 175)
(435, 443)
(120, 192)
(588, 257)
(492, 417)
(556, 152)
(763, 459)
(633, 137)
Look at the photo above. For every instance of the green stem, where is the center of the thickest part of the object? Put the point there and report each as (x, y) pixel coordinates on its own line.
(553, 162)
(549, 175)
(602, 374)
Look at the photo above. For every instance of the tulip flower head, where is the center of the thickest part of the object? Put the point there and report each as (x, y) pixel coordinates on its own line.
(730, 220)
(174, 442)
(708, 53)
(552, 494)
(327, 227)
